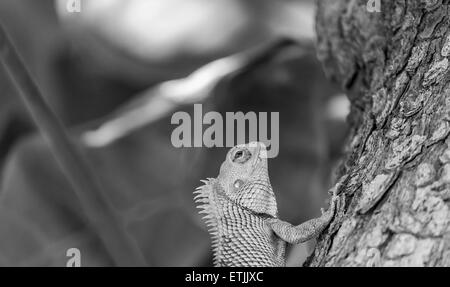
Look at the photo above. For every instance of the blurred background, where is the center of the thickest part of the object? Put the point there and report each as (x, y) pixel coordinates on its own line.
(114, 72)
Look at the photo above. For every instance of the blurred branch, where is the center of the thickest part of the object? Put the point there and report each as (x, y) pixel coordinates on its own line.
(98, 209)
(158, 101)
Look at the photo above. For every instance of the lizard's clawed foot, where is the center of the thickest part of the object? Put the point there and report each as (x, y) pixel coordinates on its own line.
(333, 202)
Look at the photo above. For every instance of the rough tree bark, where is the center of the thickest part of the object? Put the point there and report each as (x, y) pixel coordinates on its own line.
(395, 191)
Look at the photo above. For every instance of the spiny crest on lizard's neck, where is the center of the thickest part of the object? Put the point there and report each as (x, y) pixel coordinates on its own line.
(244, 181)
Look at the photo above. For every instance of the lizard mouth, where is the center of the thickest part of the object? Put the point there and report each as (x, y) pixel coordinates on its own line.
(260, 155)
(257, 155)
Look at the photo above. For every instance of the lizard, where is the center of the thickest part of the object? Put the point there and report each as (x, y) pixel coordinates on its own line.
(240, 211)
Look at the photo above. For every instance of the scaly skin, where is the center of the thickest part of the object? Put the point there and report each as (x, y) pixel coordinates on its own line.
(241, 213)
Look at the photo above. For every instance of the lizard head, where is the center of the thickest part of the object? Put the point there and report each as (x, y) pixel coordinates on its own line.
(243, 180)
(244, 177)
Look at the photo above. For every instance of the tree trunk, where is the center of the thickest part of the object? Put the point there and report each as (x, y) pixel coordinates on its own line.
(395, 178)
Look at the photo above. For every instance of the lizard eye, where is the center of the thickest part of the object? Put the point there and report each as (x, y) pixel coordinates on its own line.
(238, 183)
(241, 156)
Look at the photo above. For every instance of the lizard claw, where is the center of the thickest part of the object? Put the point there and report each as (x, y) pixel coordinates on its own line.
(334, 196)
(334, 200)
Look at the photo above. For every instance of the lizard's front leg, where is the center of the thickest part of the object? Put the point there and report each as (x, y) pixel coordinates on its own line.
(307, 230)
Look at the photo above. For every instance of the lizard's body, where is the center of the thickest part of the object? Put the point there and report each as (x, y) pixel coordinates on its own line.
(241, 212)
(235, 243)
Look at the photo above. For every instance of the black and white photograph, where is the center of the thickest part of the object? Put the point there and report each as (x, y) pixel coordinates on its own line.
(224, 133)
